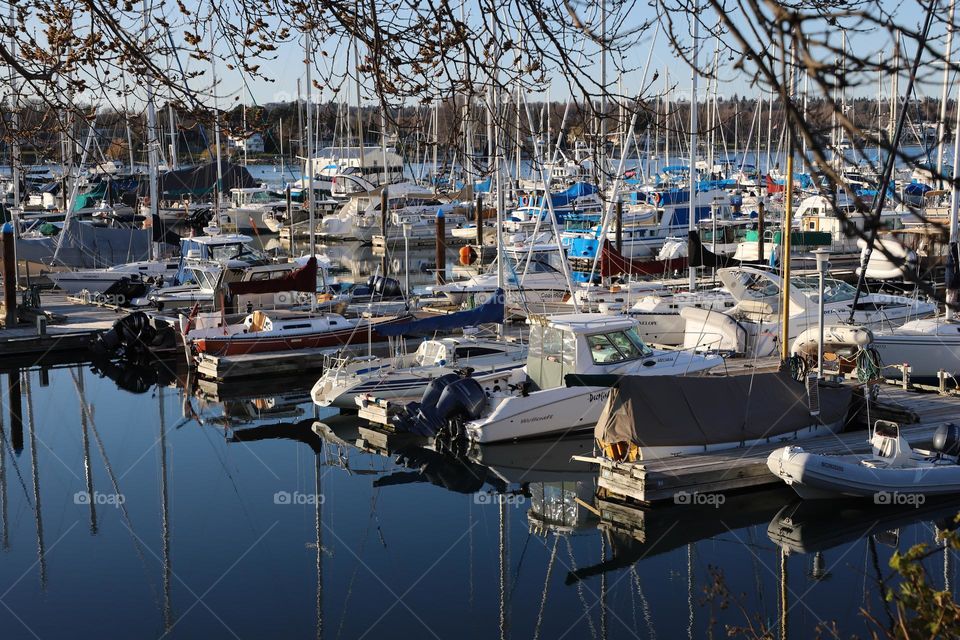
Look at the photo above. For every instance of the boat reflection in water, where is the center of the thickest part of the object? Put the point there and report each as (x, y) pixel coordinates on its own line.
(806, 526)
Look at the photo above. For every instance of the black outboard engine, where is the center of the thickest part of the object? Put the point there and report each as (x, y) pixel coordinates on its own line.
(134, 337)
(384, 287)
(421, 417)
(448, 403)
(946, 440)
(124, 290)
(461, 402)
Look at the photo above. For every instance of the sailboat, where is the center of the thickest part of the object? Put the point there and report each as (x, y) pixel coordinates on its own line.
(404, 378)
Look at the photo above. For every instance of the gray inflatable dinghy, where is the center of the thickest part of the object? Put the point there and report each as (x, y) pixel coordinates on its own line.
(893, 473)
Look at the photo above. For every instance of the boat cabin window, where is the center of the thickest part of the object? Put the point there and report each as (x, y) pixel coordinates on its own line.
(617, 346)
(833, 290)
(758, 286)
(474, 351)
(224, 252)
(551, 355)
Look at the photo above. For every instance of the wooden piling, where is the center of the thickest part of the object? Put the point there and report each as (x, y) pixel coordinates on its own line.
(9, 276)
(478, 219)
(441, 248)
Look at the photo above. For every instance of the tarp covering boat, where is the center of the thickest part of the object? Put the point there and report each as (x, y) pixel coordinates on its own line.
(614, 263)
(302, 279)
(201, 180)
(489, 311)
(650, 411)
(87, 246)
(700, 256)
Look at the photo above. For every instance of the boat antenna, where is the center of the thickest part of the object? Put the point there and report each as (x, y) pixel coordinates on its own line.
(888, 165)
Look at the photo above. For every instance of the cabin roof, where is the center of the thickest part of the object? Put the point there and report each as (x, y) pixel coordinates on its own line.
(589, 322)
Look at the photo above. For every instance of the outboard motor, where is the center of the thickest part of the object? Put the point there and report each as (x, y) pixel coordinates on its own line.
(134, 337)
(946, 440)
(384, 287)
(448, 403)
(421, 417)
(462, 401)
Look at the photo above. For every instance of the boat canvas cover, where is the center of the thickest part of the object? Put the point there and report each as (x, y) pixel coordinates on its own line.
(682, 411)
(201, 180)
(302, 279)
(87, 246)
(489, 311)
(614, 263)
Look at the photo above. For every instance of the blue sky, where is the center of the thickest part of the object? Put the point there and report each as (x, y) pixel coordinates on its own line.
(287, 66)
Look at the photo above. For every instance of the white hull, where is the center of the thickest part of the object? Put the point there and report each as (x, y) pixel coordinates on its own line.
(926, 355)
(569, 409)
(816, 476)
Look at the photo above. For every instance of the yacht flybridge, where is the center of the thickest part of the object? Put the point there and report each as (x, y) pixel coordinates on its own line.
(547, 396)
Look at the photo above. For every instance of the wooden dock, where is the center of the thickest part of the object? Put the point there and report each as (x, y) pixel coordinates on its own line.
(273, 364)
(732, 470)
(68, 327)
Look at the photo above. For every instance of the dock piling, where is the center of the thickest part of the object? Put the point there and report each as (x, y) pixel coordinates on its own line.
(9, 277)
(441, 248)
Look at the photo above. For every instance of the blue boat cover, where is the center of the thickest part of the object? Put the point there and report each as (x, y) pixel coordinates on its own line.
(489, 311)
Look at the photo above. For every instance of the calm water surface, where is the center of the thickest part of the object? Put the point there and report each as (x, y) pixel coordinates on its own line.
(231, 513)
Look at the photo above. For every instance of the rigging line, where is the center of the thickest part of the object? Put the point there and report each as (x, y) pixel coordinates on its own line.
(226, 471)
(356, 568)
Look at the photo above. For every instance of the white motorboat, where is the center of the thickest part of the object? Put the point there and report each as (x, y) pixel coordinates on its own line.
(534, 284)
(928, 346)
(545, 397)
(658, 314)
(100, 280)
(751, 326)
(407, 203)
(404, 378)
(656, 215)
(893, 473)
(248, 206)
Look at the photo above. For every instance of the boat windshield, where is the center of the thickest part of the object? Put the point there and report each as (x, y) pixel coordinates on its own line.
(224, 252)
(616, 346)
(204, 278)
(833, 290)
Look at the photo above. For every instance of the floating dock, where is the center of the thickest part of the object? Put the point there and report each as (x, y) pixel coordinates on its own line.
(58, 325)
(735, 469)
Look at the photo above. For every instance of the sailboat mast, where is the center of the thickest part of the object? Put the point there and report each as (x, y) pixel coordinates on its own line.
(308, 61)
(942, 122)
(173, 138)
(152, 141)
(216, 132)
(692, 220)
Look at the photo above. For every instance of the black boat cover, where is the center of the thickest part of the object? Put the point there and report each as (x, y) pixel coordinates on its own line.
(681, 411)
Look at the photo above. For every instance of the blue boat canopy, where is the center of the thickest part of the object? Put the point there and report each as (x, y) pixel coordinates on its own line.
(489, 311)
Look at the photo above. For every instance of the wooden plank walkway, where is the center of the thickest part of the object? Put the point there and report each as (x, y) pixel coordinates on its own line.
(660, 480)
(71, 328)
